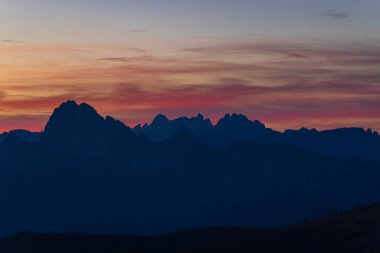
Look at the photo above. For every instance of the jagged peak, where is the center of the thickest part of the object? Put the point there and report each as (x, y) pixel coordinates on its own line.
(233, 118)
(68, 103)
(70, 111)
(304, 130)
(73, 105)
(241, 117)
(227, 116)
(80, 126)
(372, 132)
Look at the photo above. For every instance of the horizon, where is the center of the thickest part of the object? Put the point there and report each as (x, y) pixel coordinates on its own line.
(289, 64)
(214, 122)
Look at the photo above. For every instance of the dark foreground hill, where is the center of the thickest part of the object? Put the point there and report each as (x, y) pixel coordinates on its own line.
(350, 232)
(95, 175)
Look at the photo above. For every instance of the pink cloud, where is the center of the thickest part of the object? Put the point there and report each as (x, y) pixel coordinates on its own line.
(283, 84)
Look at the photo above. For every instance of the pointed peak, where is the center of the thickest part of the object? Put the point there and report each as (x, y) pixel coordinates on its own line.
(79, 127)
(160, 119)
(73, 105)
(161, 116)
(372, 132)
(86, 107)
(235, 117)
(70, 109)
(200, 116)
(238, 121)
(68, 104)
(227, 116)
(240, 117)
(67, 119)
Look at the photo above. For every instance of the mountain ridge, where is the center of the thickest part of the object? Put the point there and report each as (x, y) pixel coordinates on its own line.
(93, 174)
(349, 141)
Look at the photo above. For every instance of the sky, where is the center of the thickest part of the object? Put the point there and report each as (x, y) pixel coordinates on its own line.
(287, 63)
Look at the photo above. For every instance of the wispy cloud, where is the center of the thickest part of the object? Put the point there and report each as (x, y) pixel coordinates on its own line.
(344, 53)
(291, 104)
(334, 14)
(139, 58)
(284, 84)
(12, 41)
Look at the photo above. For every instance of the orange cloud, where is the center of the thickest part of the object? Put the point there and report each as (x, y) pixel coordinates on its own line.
(283, 84)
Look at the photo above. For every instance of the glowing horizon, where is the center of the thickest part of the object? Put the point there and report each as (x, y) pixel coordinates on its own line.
(288, 64)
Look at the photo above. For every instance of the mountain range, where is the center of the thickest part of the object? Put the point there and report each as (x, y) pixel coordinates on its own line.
(351, 142)
(87, 173)
(23, 135)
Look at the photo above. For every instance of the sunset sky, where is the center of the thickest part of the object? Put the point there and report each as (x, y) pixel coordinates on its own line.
(288, 63)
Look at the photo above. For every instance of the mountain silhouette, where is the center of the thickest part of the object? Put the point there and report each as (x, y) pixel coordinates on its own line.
(92, 174)
(232, 128)
(162, 128)
(80, 129)
(344, 142)
(23, 134)
(238, 122)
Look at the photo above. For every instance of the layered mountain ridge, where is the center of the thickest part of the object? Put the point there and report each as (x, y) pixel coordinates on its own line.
(87, 173)
(350, 142)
